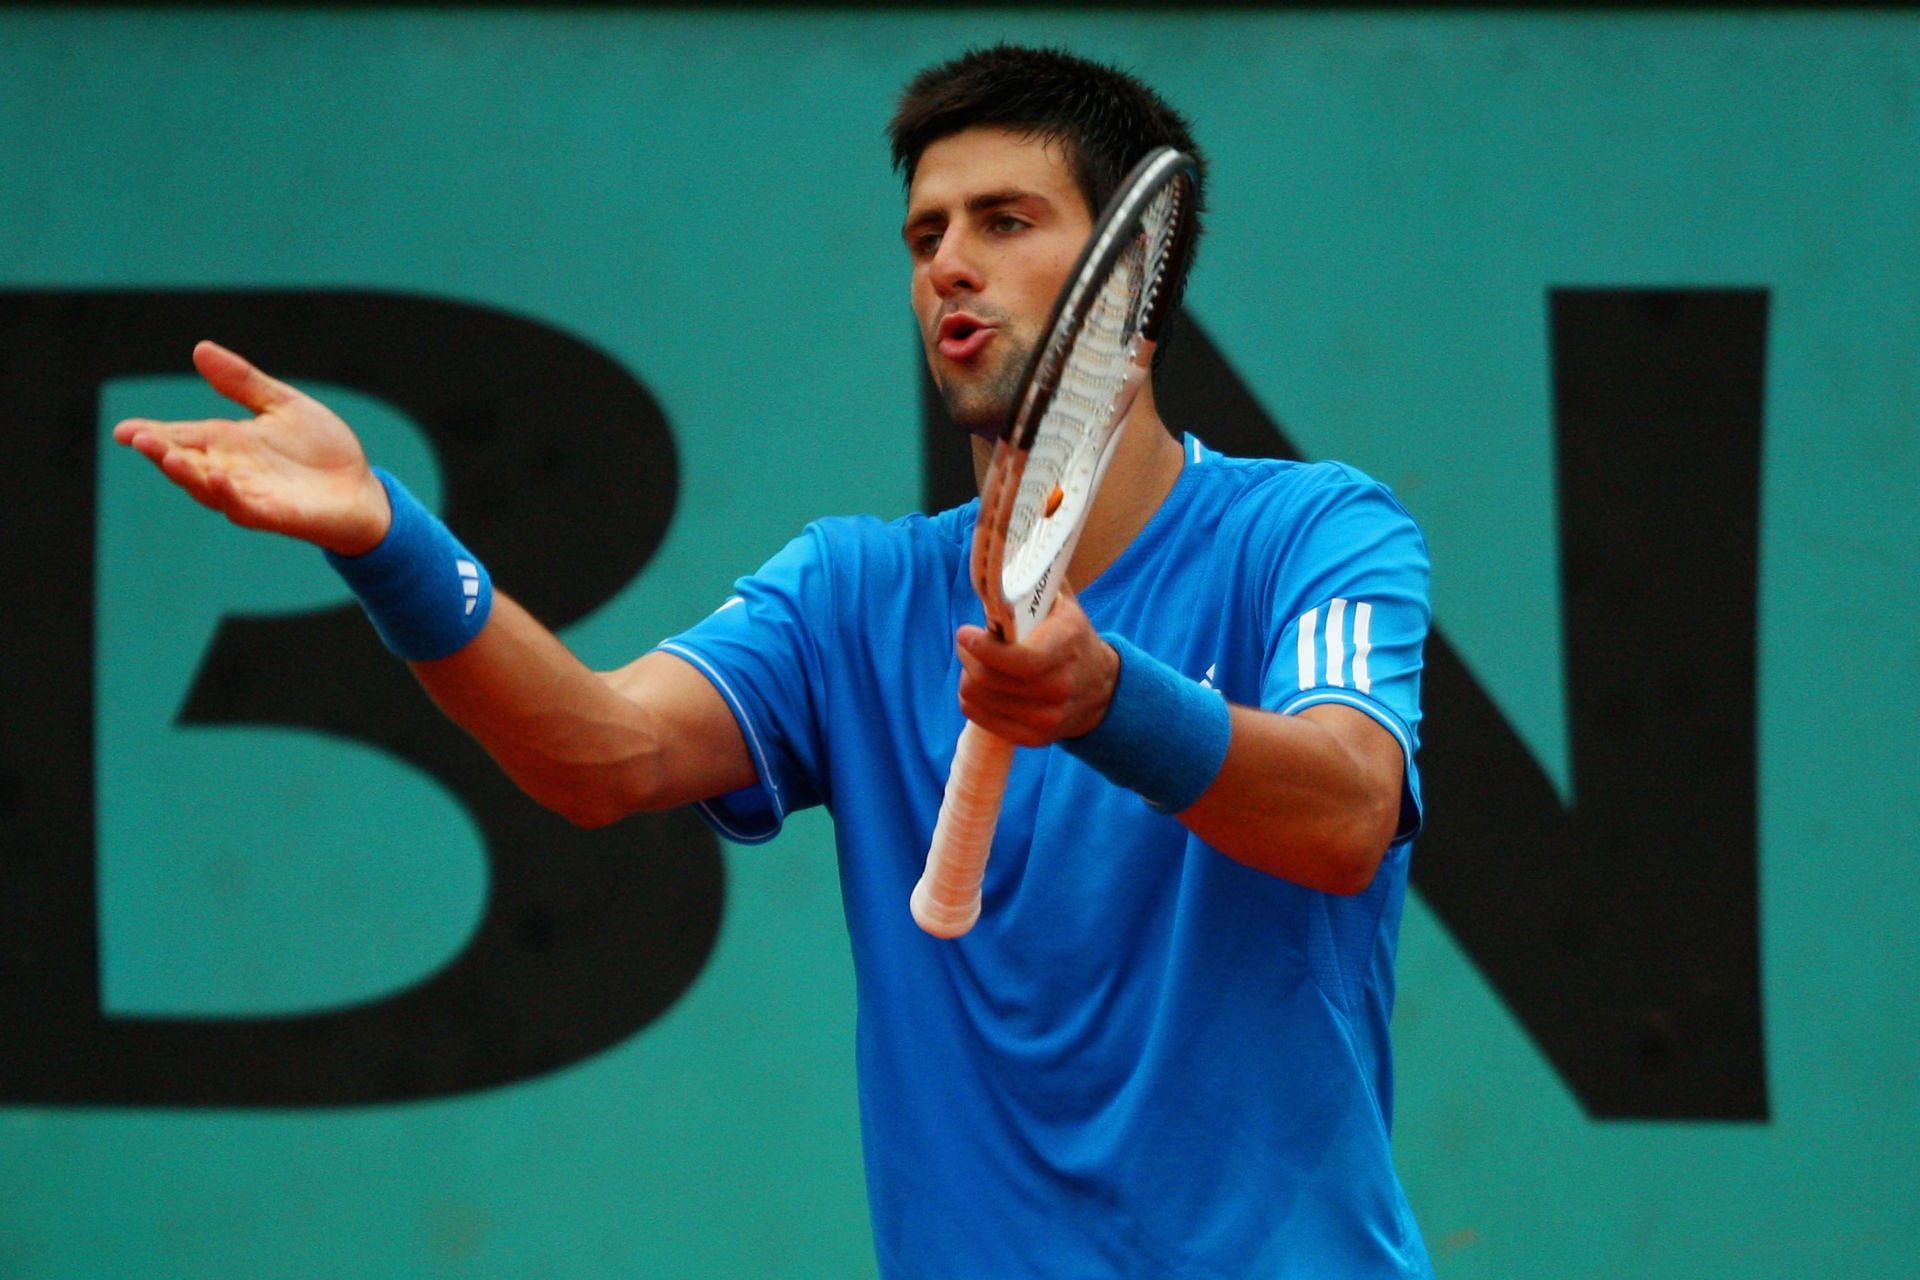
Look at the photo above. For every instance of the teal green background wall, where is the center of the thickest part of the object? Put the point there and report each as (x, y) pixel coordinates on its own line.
(706, 197)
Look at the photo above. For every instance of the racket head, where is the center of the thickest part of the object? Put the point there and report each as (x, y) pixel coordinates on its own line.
(1076, 392)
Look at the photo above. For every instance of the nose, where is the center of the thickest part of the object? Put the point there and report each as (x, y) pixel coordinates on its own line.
(955, 268)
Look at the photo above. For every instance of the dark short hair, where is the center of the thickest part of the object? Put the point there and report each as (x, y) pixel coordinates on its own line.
(1105, 118)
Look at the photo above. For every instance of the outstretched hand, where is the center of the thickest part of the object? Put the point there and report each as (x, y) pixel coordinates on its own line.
(293, 468)
(1056, 684)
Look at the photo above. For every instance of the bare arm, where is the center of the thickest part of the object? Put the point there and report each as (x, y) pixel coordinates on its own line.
(593, 747)
(652, 735)
(1313, 798)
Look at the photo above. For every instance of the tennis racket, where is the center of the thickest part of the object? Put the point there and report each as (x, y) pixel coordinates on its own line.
(1046, 468)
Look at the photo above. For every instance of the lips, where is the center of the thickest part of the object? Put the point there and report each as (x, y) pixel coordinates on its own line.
(961, 336)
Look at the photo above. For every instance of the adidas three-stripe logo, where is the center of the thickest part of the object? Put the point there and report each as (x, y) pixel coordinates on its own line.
(469, 582)
(1340, 652)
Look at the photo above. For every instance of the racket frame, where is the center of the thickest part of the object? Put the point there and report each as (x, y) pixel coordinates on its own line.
(946, 901)
(1012, 615)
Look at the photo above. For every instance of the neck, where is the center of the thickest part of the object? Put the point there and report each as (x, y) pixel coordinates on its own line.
(1146, 465)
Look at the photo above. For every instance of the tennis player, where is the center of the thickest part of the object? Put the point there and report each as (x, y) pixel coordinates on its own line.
(1163, 1051)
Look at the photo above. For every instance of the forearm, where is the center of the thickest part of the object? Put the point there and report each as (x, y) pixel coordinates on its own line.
(1313, 798)
(593, 748)
(559, 730)
(1296, 798)
(652, 735)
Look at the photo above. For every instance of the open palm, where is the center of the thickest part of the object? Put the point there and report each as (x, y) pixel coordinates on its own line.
(294, 468)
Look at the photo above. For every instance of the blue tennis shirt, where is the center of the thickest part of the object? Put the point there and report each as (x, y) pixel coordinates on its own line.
(1146, 1060)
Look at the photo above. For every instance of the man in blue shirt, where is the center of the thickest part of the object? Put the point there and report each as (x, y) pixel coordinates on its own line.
(1163, 1051)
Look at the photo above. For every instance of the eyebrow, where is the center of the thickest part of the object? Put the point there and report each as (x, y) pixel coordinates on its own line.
(981, 203)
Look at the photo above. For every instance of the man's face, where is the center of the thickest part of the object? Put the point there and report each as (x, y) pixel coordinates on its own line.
(994, 224)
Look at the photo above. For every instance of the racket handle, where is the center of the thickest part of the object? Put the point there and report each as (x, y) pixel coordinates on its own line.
(946, 902)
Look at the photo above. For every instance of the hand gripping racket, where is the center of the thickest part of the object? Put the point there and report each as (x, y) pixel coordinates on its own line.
(1046, 467)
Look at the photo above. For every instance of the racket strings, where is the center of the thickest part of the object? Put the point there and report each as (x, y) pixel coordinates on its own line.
(1098, 364)
(1044, 469)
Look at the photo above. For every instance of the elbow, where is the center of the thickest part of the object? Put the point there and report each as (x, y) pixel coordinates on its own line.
(1340, 863)
(591, 777)
(583, 809)
(1353, 859)
(590, 816)
(1351, 871)
(590, 802)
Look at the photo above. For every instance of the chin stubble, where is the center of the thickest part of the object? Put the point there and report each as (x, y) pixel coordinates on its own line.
(981, 407)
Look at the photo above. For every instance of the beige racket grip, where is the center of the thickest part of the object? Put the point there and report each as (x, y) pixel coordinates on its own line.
(946, 902)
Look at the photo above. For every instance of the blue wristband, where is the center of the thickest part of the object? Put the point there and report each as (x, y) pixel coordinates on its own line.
(426, 594)
(1163, 736)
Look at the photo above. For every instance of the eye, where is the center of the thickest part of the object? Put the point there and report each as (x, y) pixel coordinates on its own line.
(1006, 224)
(923, 244)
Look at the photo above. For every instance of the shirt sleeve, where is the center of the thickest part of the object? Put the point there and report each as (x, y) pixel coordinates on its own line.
(762, 650)
(1350, 616)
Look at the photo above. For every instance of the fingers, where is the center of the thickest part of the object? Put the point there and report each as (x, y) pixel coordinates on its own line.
(1001, 663)
(1010, 717)
(1026, 719)
(153, 438)
(233, 377)
(1055, 685)
(1064, 633)
(987, 668)
(189, 470)
(181, 451)
(203, 475)
(211, 485)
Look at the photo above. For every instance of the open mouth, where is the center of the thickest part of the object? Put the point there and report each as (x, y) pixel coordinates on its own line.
(962, 336)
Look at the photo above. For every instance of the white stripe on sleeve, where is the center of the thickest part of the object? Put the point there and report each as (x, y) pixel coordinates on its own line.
(1336, 647)
(1362, 645)
(1309, 621)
